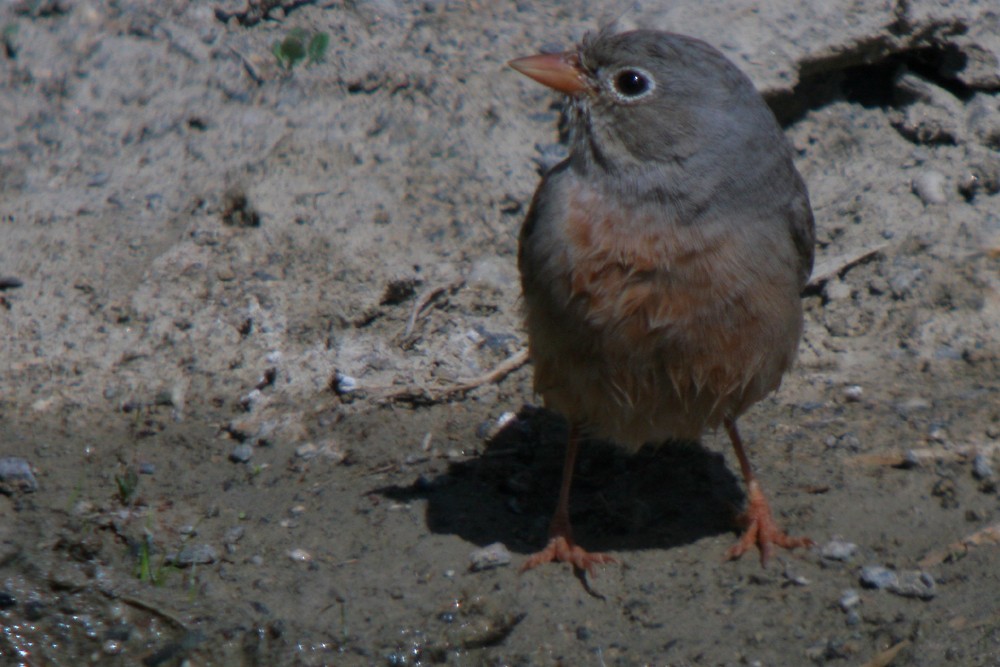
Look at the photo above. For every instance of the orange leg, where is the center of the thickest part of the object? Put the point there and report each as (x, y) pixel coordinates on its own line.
(561, 547)
(759, 528)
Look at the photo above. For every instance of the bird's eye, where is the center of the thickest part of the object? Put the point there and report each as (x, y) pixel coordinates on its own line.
(632, 83)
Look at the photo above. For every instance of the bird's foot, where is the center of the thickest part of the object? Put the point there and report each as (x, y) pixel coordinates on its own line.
(562, 550)
(760, 530)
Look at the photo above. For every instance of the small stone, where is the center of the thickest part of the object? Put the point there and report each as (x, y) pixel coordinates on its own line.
(849, 599)
(489, 557)
(878, 577)
(344, 384)
(300, 555)
(909, 583)
(853, 393)
(915, 584)
(251, 400)
(981, 468)
(489, 430)
(146, 468)
(838, 549)
(307, 451)
(241, 453)
(196, 554)
(837, 290)
(930, 187)
(937, 434)
(15, 473)
(234, 535)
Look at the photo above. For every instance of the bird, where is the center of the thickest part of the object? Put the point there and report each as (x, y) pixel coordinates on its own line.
(662, 262)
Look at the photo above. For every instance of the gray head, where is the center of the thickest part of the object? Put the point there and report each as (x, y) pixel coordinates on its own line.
(649, 101)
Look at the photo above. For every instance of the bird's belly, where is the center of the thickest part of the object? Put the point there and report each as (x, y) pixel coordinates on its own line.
(641, 342)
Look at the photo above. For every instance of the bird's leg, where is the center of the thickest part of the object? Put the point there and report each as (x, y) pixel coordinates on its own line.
(561, 547)
(758, 524)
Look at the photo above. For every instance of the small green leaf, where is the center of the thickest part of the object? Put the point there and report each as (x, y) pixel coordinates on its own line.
(127, 485)
(317, 47)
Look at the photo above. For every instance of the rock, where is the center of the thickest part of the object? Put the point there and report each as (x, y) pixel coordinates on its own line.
(344, 384)
(307, 451)
(877, 577)
(915, 584)
(15, 474)
(929, 186)
(489, 557)
(981, 468)
(195, 554)
(849, 599)
(838, 549)
(300, 555)
(241, 453)
(853, 393)
(908, 583)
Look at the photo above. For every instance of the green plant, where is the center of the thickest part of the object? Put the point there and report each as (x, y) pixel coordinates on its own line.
(300, 44)
(128, 484)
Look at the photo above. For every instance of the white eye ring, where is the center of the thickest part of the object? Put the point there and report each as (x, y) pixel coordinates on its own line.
(631, 84)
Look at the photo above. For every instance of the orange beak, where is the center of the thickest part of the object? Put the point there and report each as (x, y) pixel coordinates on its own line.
(559, 71)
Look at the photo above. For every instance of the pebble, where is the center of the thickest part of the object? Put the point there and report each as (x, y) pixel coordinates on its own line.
(930, 187)
(489, 557)
(300, 555)
(241, 453)
(196, 554)
(306, 451)
(489, 430)
(147, 468)
(344, 384)
(837, 290)
(915, 584)
(16, 472)
(981, 468)
(252, 399)
(908, 583)
(838, 549)
(877, 577)
(112, 647)
(853, 393)
(849, 599)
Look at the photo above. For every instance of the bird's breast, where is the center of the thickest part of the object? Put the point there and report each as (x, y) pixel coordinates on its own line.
(638, 273)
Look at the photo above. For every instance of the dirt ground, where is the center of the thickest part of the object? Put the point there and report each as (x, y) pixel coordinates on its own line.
(244, 303)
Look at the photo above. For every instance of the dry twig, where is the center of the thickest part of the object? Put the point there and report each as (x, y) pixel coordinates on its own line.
(885, 658)
(986, 536)
(925, 455)
(420, 395)
(832, 267)
(426, 298)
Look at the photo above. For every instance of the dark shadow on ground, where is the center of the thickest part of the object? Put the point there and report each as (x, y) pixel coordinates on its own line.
(659, 497)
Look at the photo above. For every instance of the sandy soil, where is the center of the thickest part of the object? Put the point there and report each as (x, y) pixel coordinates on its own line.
(241, 305)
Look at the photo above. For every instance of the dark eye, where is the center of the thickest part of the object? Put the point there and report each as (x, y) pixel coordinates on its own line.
(632, 83)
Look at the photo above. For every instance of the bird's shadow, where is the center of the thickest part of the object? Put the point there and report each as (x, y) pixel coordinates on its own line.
(659, 497)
